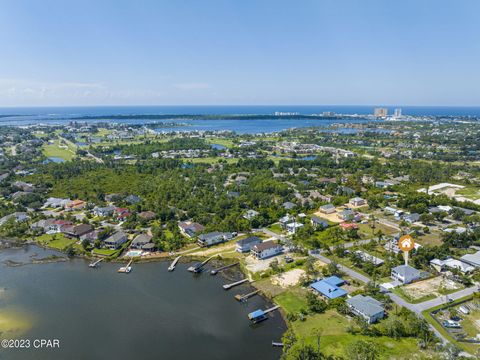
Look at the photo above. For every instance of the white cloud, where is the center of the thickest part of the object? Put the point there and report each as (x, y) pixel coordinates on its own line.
(31, 92)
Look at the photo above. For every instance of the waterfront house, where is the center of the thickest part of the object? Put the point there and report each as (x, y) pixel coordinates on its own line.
(140, 241)
(405, 274)
(327, 209)
(42, 225)
(366, 307)
(76, 231)
(245, 245)
(91, 236)
(57, 225)
(266, 249)
(213, 238)
(318, 222)
(115, 240)
(329, 288)
(190, 229)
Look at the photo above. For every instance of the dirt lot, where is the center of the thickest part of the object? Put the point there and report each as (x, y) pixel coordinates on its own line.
(329, 217)
(289, 278)
(430, 287)
(254, 265)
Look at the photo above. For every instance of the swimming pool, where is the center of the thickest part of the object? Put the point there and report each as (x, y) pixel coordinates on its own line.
(134, 253)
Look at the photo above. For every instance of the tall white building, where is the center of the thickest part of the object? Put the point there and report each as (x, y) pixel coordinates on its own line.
(380, 112)
(397, 113)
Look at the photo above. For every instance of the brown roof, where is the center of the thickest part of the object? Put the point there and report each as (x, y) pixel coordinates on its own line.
(265, 245)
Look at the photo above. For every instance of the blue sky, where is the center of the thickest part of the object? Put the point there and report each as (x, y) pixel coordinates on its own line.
(119, 52)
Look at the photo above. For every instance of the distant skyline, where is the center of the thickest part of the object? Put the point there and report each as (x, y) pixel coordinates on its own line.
(227, 52)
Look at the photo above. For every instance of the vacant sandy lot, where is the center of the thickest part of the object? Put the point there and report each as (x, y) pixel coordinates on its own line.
(329, 217)
(289, 278)
(430, 287)
(254, 265)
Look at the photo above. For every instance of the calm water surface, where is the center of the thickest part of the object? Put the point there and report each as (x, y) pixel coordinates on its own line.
(147, 314)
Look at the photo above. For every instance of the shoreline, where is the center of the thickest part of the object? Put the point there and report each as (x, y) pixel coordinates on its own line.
(184, 260)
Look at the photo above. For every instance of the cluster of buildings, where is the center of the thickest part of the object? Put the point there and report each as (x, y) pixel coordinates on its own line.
(366, 307)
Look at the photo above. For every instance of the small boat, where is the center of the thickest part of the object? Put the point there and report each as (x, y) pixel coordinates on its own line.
(125, 269)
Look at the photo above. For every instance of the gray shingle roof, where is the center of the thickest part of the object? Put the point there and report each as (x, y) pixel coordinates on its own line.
(366, 305)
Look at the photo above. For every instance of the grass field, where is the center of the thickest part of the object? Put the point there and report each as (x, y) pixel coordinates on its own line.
(104, 252)
(367, 231)
(334, 338)
(56, 241)
(276, 228)
(471, 192)
(209, 160)
(54, 150)
(221, 141)
(292, 301)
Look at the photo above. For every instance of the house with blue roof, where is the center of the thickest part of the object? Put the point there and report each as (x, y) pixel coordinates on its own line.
(329, 287)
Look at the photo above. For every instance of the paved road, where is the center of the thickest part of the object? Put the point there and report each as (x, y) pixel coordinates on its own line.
(416, 308)
(273, 234)
(445, 299)
(350, 272)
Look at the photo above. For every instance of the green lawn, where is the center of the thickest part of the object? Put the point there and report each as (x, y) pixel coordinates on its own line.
(221, 141)
(56, 241)
(54, 150)
(210, 160)
(334, 338)
(104, 252)
(367, 231)
(292, 301)
(471, 192)
(433, 239)
(276, 228)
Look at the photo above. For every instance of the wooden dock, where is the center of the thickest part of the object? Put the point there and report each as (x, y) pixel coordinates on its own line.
(198, 268)
(229, 286)
(216, 271)
(271, 309)
(245, 297)
(174, 263)
(126, 269)
(95, 263)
